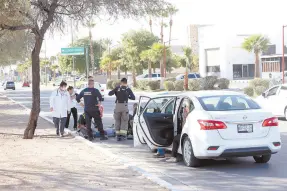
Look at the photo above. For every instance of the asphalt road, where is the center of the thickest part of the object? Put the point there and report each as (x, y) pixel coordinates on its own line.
(227, 175)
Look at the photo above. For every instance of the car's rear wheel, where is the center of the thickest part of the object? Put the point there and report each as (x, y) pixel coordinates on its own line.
(188, 156)
(262, 158)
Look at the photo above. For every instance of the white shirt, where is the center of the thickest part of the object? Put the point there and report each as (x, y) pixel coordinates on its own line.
(60, 101)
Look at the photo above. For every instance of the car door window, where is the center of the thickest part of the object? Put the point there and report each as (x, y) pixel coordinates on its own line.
(283, 91)
(157, 105)
(169, 109)
(154, 75)
(191, 76)
(272, 91)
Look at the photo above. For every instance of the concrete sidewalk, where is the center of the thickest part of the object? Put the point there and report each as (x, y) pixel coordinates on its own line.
(51, 163)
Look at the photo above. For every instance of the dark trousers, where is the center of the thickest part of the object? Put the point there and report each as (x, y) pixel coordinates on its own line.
(94, 113)
(59, 124)
(74, 112)
(175, 145)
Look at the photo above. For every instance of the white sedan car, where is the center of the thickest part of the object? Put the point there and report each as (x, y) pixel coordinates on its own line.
(219, 124)
(275, 100)
(97, 86)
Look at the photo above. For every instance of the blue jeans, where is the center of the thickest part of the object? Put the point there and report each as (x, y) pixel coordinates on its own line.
(60, 124)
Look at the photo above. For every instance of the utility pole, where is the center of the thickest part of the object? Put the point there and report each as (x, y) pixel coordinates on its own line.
(73, 73)
(164, 60)
(46, 62)
(87, 61)
(283, 56)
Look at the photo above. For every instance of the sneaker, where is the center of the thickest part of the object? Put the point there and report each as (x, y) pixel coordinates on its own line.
(124, 138)
(61, 135)
(103, 138)
(157, 155)
(172, 160)
(91, 139)
(119, 138)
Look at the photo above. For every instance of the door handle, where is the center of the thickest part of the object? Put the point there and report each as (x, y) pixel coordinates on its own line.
(167, 117)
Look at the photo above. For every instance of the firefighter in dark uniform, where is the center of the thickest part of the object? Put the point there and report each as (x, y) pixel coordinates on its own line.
(92, 100)
(121, 113)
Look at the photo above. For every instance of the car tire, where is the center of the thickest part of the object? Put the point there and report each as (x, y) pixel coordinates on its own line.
(262, 158)
(13, 88)
(5, 89)
(188, 156)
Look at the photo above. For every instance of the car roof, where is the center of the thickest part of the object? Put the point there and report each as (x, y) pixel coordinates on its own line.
(197, 93)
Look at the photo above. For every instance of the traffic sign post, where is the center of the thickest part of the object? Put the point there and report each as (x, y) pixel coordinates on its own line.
(73, 51)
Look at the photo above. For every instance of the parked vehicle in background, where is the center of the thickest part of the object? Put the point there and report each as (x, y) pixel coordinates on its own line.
(275, 100)
(190, 76)
(211, 124)
(154, 76)
(97, 86)
(9, 85)
(26, 84)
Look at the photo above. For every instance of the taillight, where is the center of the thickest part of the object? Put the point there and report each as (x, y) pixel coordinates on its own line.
(102, 90)
(270, 122)
(211, 125)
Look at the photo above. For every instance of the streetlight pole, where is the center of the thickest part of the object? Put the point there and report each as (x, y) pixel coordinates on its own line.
(283, 55)
(46, 62)
(73, 73)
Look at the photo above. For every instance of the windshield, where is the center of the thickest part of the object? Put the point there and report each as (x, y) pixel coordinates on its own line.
(10, 83)
(227, 103)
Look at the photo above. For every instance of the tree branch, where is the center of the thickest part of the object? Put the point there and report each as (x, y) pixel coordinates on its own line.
(15, 28)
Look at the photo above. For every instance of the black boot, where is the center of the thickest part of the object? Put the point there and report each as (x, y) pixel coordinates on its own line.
(103, 138)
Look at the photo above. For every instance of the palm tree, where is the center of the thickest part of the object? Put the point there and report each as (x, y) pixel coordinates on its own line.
(146, 56)
(150, 24)
(256, 44)
(172, 11)
(188, 59)
(54, 69)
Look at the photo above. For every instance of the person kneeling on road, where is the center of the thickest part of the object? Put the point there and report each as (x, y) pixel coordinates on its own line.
(121, 113)
(92, 101)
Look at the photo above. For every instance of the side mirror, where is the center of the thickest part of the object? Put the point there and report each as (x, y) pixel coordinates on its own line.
(264, 94)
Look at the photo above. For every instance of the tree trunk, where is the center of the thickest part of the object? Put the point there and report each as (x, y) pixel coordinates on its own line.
(134, 77)
(150, 24)
(154, 70)
(35, 110)
(54, 75)
(126, 73)
(161, 31)
(149, 69)
(257, 67)
(119, 72)
(170, 29)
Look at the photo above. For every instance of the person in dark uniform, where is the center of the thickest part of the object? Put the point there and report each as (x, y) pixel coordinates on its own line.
(92, 101)
(121, 113)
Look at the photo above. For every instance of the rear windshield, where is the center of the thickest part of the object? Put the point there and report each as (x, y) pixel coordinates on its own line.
(227, 103)
(10, 83)
(197, 75)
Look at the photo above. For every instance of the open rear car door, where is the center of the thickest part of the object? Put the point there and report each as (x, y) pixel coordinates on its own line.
(154, 124)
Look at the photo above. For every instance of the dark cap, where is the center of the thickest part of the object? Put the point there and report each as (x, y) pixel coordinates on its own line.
(124, 80)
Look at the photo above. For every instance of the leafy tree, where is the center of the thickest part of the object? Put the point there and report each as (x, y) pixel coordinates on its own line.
(195, 62)
(256, 44)
(41, 16)
(146, 56)
(65, 64)
(111, 61)
(23, 68)
(134, 43)
(54, 69)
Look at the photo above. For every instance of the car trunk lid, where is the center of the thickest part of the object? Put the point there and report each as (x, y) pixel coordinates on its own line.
(243, 124)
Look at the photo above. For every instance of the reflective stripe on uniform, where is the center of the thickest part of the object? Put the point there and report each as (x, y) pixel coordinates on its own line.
(122, 132)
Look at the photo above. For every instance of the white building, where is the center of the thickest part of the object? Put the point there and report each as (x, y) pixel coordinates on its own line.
(220, 53)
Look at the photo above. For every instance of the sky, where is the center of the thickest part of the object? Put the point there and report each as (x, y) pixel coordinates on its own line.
(245, 16)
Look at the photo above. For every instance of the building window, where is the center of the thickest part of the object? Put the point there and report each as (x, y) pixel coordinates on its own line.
(271, 66)
(213, 68)
(243, 71)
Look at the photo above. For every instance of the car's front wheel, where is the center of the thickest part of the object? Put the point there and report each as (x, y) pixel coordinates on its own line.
(188, 156)
(262, 158)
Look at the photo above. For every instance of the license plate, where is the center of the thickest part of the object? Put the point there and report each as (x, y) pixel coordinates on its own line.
(245, 128)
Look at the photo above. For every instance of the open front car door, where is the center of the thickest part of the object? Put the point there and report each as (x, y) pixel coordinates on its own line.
(155, 121)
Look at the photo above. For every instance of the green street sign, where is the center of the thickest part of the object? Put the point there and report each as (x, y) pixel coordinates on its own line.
(73, 51)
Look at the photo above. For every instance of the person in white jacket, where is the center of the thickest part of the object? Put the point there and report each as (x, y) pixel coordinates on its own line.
(60, 106)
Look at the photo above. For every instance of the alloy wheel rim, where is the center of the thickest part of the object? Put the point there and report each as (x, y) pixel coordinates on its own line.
(187, 151)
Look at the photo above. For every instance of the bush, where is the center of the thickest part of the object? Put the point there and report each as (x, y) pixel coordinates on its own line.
(249, 91)
(170, 80)
(142, 84)
(259, 90)
(259, 82)
(116, 83)
(110, 84)
(194, 84)
(223, 83)
(208, 82)
(154, 85)
(169, 85)
(178, 85)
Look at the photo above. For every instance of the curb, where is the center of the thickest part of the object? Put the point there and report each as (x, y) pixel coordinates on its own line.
(116, 157)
